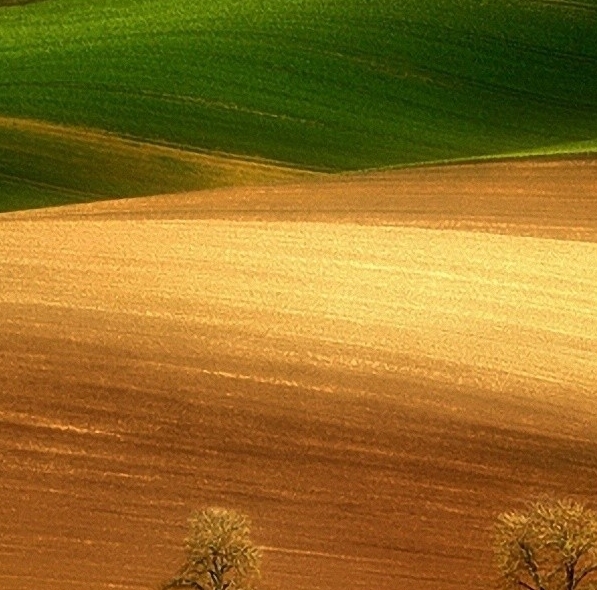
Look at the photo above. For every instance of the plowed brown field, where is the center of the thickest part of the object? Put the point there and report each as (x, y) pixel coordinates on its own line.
(343, 360)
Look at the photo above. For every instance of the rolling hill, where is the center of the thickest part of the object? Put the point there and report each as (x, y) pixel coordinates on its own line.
(313, 85)
(371, 378)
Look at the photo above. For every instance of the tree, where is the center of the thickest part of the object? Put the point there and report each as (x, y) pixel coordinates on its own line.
(552, 545)
(220, 555)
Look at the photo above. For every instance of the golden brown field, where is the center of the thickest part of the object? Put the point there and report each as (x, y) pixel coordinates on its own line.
(372, 368)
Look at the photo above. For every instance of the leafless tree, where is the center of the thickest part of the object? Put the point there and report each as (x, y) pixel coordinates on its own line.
(220, 555)
(552, 545)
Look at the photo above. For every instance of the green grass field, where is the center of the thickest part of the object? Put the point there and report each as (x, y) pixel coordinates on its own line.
(314, 84)
(43, 165)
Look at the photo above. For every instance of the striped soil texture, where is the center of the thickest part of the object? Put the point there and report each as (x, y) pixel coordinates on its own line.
(371, 367)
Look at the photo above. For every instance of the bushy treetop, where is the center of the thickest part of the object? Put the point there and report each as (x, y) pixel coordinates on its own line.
(220, 555)
(552, 545)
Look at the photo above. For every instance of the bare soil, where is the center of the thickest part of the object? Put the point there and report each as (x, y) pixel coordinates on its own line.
(551, 198)
(341, 360)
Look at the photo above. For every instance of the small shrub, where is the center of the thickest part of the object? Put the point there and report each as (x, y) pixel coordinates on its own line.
(552, 545)
(220, 555)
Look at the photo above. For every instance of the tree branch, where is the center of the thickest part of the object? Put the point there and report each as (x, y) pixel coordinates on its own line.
(525, 585)
(226, 567)
(584, 574)
(570, 576)
(183, 583)
(531, 565)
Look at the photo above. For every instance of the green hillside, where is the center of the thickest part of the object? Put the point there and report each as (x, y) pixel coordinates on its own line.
(316, 84)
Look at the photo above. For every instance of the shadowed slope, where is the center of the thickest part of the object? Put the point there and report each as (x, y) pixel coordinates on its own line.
(43, 164)
(17, 2)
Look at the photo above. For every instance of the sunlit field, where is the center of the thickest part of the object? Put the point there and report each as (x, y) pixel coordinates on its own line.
(329, 265)
(371, 386)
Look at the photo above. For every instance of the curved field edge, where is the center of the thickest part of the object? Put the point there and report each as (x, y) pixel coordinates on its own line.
(361, 85)
(47, 165)
(43, 165)
(563, 151)
(547, 198)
